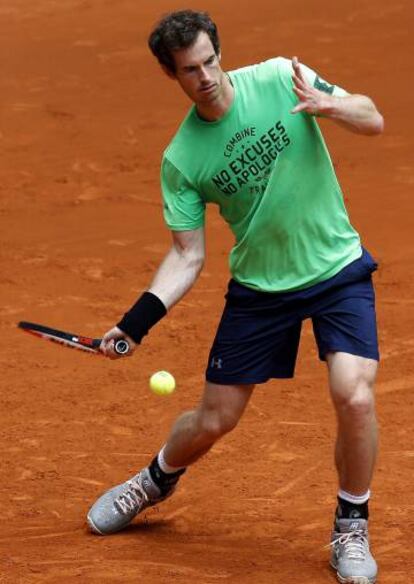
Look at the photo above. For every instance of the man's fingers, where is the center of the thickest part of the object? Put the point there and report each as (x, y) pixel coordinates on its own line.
(110, 350)
(109, 339)
(106, 344)
(296, 66)
(297, 70)
(298, 82)
(103, 345)
(299, 108)
(108, 347)
(300, 92)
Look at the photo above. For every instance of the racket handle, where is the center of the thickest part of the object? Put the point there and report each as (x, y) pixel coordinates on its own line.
(121, 347)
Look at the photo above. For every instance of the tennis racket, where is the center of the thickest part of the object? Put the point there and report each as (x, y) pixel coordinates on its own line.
(71, 340)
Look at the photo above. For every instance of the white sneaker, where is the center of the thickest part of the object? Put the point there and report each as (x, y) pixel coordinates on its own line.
(351, 557)
(116, 508)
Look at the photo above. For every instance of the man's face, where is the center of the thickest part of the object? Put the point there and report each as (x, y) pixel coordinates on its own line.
(198, 70)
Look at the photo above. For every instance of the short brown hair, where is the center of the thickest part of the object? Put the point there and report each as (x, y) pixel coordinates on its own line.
(178, 30)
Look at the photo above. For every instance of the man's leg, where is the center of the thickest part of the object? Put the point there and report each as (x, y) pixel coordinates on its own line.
(195, 432)
(192, 435)
(351, 381)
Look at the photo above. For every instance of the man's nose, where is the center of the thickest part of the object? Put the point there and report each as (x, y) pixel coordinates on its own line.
(203, 74)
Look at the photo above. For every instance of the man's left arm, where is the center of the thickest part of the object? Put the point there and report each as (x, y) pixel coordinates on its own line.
(354, 112)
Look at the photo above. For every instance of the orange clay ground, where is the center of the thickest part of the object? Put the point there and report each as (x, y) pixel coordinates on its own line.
(85, 115)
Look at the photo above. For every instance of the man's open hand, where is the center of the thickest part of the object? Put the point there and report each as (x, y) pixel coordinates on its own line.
(311, 100)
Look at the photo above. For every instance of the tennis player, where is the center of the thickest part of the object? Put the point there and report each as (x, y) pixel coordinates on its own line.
(251, 144)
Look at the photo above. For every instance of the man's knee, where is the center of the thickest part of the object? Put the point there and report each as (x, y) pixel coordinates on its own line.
(355, 397)
(352, 382)
(361, 402)
(215, 424)
(221, 408)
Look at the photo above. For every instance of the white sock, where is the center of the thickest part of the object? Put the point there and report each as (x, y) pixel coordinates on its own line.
(165, 467)
(355, 499)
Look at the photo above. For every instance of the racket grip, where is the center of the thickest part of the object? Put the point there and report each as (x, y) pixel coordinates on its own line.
(121, 347)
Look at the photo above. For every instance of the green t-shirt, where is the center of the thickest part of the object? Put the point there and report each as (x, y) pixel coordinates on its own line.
(270, 173)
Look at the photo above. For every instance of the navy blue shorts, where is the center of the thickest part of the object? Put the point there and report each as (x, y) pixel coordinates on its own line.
(259, 332)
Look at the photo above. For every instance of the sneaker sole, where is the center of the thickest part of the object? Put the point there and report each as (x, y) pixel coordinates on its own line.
(353, 579)
(93, 527)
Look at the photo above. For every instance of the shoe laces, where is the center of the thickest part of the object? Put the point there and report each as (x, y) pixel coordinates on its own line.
(132, 499)
(355, 543)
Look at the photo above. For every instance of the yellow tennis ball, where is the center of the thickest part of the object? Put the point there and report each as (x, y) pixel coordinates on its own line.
(162, 383)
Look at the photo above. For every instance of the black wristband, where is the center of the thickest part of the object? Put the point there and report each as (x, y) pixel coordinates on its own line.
(146, 312)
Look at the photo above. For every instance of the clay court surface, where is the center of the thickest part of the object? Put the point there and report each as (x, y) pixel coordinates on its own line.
(85, 115)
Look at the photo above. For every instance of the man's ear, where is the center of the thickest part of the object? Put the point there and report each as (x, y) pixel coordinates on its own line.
(167, 71)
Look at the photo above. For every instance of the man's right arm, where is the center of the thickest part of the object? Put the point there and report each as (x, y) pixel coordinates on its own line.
(174, 278)
(180, 267)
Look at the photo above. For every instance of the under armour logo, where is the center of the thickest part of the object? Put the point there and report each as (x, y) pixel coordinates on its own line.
(216, 363)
